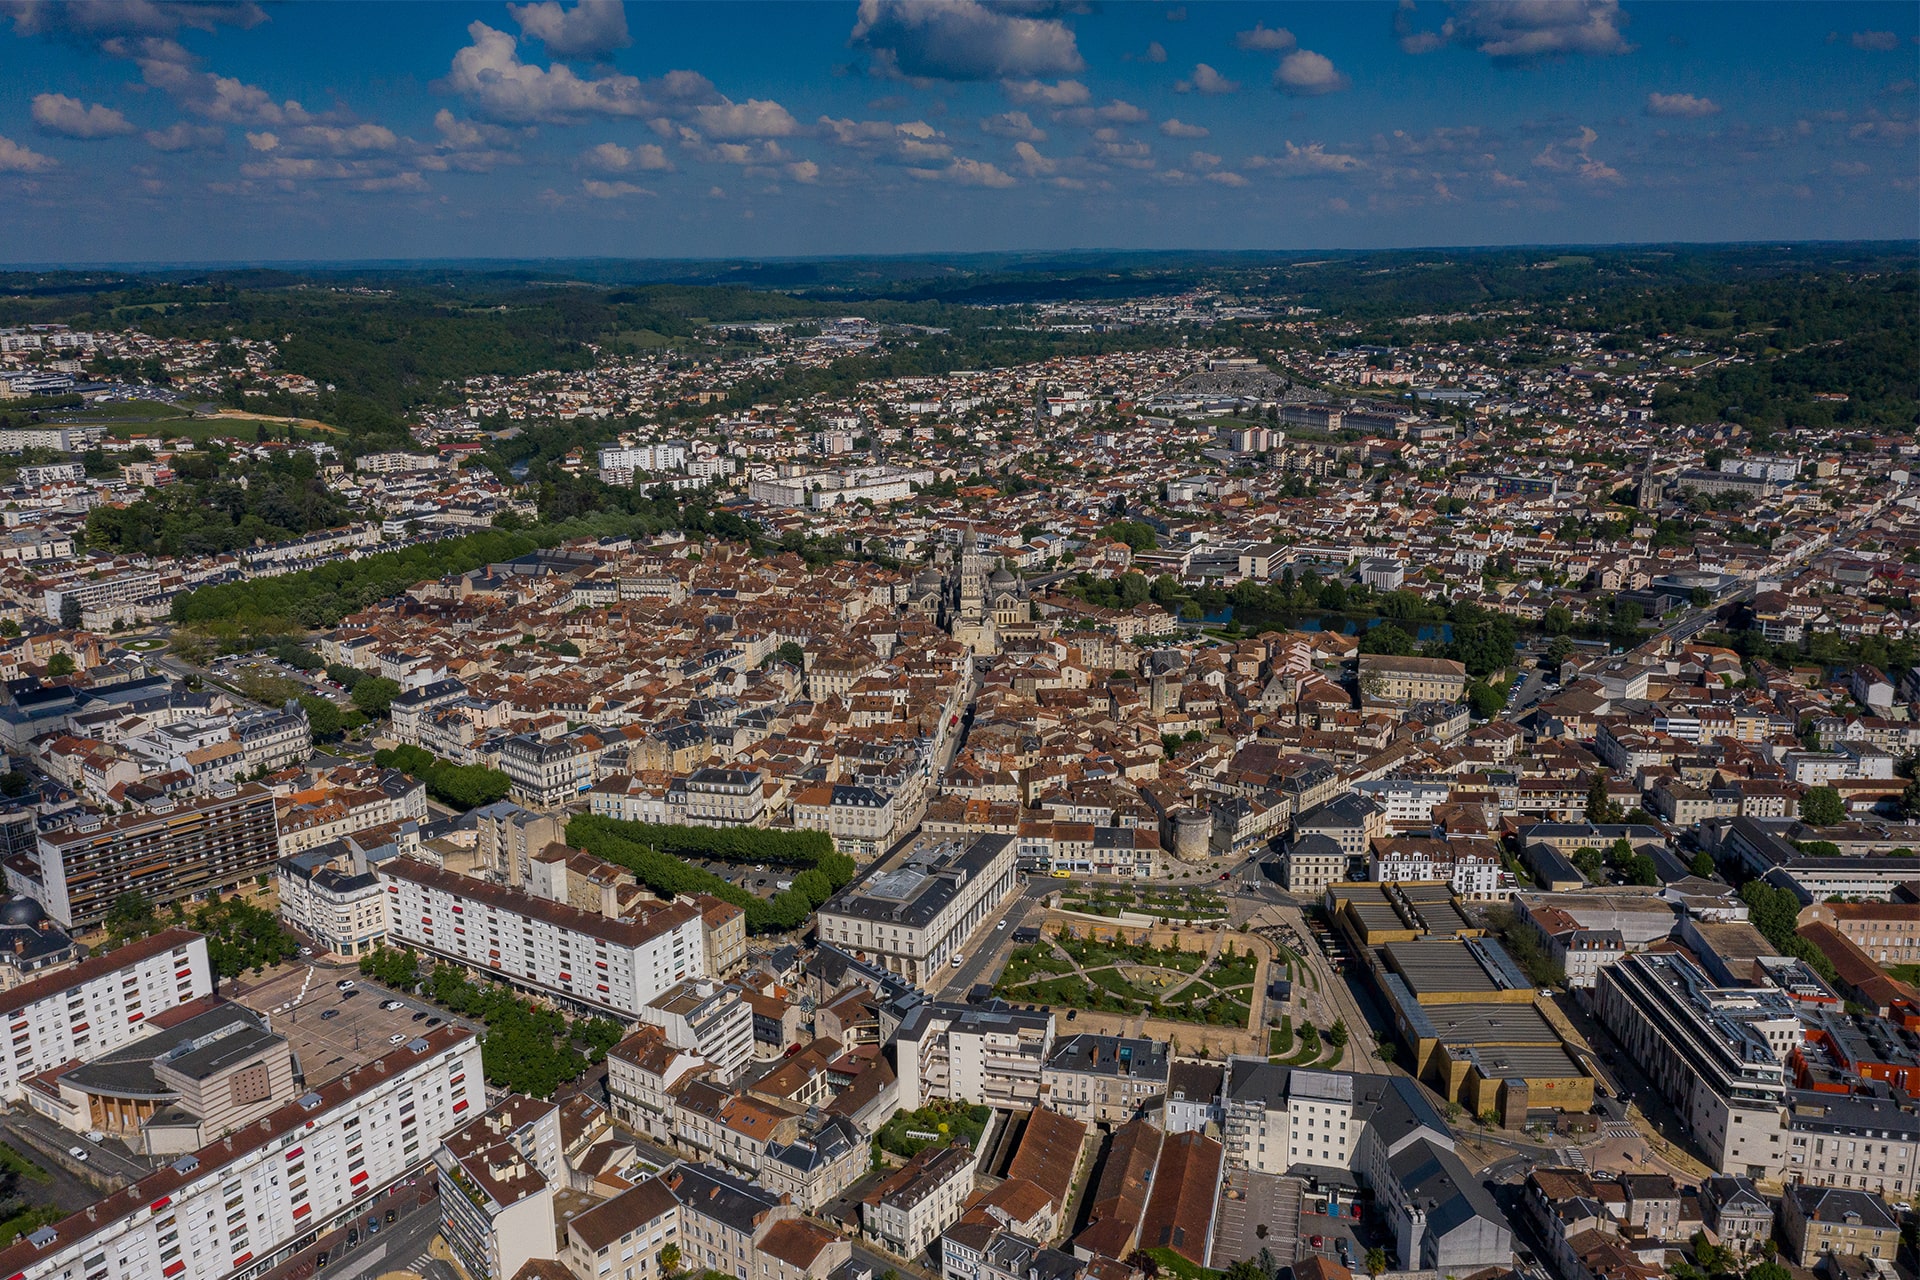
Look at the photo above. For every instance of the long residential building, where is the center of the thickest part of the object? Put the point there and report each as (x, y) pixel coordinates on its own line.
(914, 919)
(99, 1004)
(174, 849)
(1717, 1054)
(239, 1207)
(606, 964)
(991, 1055)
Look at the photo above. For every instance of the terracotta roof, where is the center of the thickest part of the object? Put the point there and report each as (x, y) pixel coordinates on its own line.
(1180, 1211)
(1049, 1153)
(797, 1242)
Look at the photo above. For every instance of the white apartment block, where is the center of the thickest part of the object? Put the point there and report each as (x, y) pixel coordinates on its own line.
(995, 1056)
(236, 1208)
(1308, 1119)
(703, 1017)
(606, 964)
(620, 463)
(343, 911)
(98, 1005)
(914, 919)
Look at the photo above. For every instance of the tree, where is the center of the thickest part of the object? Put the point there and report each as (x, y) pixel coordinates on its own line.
(1245, 1269)
(15, 784)
(1588, 861)
(1640, 870)
(791, 654)
(130, 915)
(1376, 1260)
(1137, 534)
(1819, 806)
(1703, 865)
(375, 694)
(1598, 806)
(1337, 1033)
(670, 1260)
(323, 717)
(1559, 620)
(61, 664)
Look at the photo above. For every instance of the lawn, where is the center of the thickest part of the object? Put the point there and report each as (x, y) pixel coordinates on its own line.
(909, 1131)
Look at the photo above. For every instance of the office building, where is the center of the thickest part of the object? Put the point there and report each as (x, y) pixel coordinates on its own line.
(913, 920)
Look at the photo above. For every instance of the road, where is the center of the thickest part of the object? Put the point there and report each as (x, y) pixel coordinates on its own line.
(985, 953)
(1336, 998)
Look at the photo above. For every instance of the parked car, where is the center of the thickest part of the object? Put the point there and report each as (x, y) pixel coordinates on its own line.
(393, 1004)
(396, 1038)
(346, 984)
(329, 1013)
(418, 1016)
(94, 1135)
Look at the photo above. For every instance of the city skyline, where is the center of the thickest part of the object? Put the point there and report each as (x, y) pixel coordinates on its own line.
(157, 131)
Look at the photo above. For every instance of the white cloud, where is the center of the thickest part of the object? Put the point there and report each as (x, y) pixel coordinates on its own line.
(1227, 178)
(469, 146)
(1876, 41)
(803, 171)
(1038, 93)
(1575, 156)
(1205, 80)
(71, 118)
(185, 137)
(1523, 30)
(601, 190)
(490, 75)
(1115, 112)
(15, 158)
(754, 118)
(1202, 160)
(263, 141)
(1013, 124)
(1266, 39)
(1680, 104)
(1310, 161)
(104, 21)
(967, 172)
(611, 157)
(591, 29)
(1032, 163)
(1307, 74)
(1112, 145)
(913, 143)
(1156, 52)
(1181, 129)
(963, 40)
(358, 139)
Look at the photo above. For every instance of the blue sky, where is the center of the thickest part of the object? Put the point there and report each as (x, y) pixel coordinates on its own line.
(150, 130)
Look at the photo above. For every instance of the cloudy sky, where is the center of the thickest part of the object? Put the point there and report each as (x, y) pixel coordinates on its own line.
(154, 130)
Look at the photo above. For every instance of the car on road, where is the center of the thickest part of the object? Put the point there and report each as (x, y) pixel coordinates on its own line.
(1001, 925)
(94, 1135)
(1901, 1206)
(329, 1013)
(958, 961)
(78, 1153)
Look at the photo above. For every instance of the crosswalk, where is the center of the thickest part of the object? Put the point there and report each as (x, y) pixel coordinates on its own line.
(1619, 1129)
(1573, 1158)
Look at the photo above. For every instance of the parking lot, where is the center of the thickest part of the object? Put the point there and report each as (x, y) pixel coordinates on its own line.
(332, 1030)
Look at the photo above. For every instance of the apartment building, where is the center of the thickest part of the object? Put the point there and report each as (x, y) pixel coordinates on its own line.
(343, 910)
(99, 1004)
(590, 961)
(1717, 1054)
(236, 1208)
(1825, 1222)
(273, 739)
(726, 798)
(1278, 1117)
(91, 593)
(1104, 1079)
(726, 1224)
(621, 1238)
(907, 1211)
(643, 1073)
(172, 850)
(704, 1017)
(547, 774)
(913, 920)
(1384, 677)
(995, 1056)
(860, 819)
(498, 1175)
(1889, 932)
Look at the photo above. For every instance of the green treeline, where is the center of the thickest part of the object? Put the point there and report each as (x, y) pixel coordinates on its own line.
(655, 854)
(462, 786)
